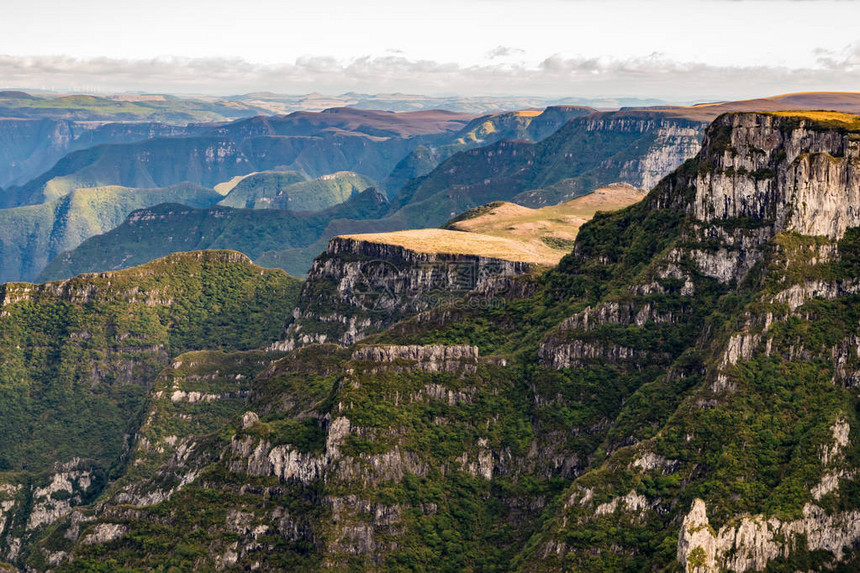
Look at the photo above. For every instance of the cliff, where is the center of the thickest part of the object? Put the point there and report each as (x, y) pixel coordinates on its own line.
(79, 358)
(767, 212)
(629, 409)
(364, 283)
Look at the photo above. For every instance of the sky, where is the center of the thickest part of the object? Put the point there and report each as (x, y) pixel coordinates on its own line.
(676, 50)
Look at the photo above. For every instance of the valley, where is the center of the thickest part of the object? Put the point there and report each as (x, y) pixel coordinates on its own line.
(536, 340)
(677, 393)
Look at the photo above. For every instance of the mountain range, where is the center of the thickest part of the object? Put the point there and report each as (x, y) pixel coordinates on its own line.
(678, 394)
(485, 159)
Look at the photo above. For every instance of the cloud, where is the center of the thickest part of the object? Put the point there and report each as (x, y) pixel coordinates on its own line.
(846, 60)
(556, 76)
(504, 52)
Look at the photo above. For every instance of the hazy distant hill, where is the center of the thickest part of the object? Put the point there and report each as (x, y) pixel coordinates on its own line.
(634, 146)
(33, 235)
(166, 108)
(29, 147)
(281, 103)
(315, 144)
(290, 191)
(530, 125)
(157, 231)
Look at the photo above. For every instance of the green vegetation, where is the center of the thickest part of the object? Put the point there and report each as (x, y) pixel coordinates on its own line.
(609, 392)
(482, 131)
(129, 108)
(289, 191)
(31, 236)
(575, 160)
(368, 142)
(559, 243)
(78, 357)
(168, 228)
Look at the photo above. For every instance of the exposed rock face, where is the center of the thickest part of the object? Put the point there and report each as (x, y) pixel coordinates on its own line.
(69, 485)
(105, 533)
(771, 174)
(8, 495)
(359, 287)
(571, 346)
(751, 544)
(674, 142)
(781, 172)
(756, 175)
(696, 545)
(435, 358)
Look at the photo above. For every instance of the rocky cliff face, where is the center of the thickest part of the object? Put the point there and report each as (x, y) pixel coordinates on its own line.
(360, 287)
(757, 176)
(631, 409)
(78, 362)
(782, 173)
(671, 142)
(28, 508)
(769, 209)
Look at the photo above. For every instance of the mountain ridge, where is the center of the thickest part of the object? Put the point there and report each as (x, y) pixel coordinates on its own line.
(679, 393)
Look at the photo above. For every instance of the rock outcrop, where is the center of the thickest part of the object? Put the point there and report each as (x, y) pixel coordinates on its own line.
(757, 540)
(359, 287)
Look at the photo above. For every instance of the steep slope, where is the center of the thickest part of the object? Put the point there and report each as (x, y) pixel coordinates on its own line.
(80, 356)
(679, 393)
(277, 190)
(29, 147)
(32, 236)
(603, 151)
(315, 144)
(519, 125)
(158, 231)
(634, 146)
(362, 284)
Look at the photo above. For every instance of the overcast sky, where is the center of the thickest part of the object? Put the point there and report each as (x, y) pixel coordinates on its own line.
(678, 50)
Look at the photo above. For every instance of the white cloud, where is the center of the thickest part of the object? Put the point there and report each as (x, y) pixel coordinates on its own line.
(555, 76)
(504, 52)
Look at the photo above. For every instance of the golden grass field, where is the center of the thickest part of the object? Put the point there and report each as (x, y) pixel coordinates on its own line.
(512, 232)
(847, 120)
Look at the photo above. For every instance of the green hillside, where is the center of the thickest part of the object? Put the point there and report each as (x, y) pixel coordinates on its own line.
(679, 394)
(578, 158)
(79, 356)
(482, 131)
(366, 142)
(169, 228)
(31, 236)
(289, 191)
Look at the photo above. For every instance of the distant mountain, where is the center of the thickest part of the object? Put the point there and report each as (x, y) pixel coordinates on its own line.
(678, 394)
(289, 191)
(33, 235)
(530, 125)
(167, 109)
(634, 146)
(29, 147)
(315, 144)
(588, 152)
(281, 103)
(158, 231)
